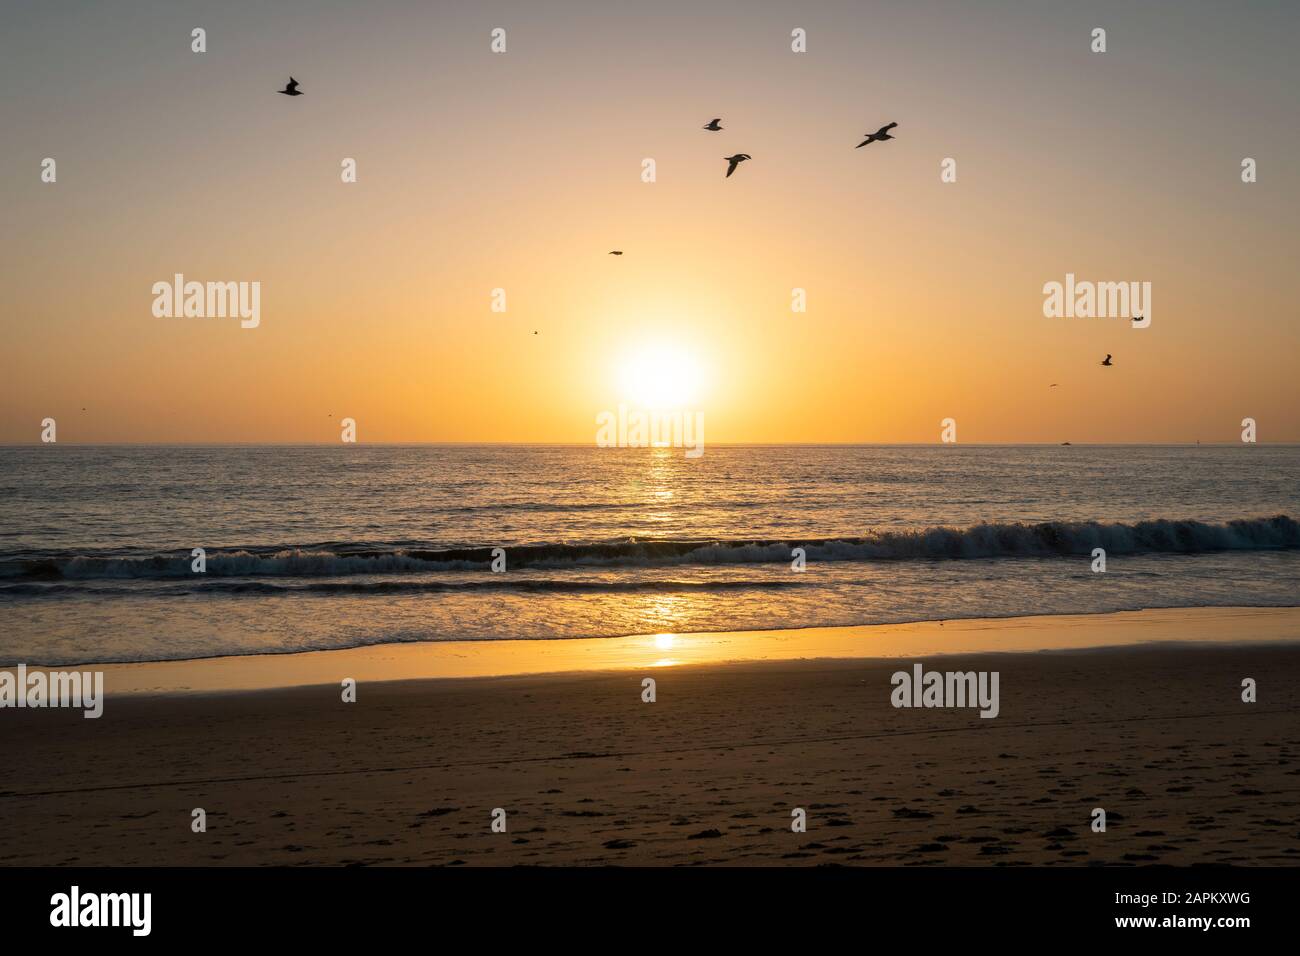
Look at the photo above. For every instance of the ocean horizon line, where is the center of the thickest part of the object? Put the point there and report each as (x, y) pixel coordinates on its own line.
(720, 444)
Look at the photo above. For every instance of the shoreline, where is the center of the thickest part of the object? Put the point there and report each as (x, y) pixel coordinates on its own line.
(535, 658)
(589, 772)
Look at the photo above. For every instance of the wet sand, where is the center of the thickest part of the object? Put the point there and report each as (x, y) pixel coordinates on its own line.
(504, 658)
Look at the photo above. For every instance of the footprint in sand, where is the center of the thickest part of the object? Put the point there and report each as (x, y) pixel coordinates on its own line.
(705, 835)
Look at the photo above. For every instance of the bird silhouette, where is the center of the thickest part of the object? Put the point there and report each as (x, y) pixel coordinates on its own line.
(1137, 318)
(616, 252)
(880, 134)
(712, 125)
(735, 161)
(1107, 362)
(291, 88)
(1053, 385)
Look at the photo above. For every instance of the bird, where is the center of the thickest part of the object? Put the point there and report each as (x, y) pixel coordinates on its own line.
(616, 252)
(1053, 385)
(291, 88)
(1107, 362)
(1137, 318)
(880, 134)
(712, 126)
(735, 161)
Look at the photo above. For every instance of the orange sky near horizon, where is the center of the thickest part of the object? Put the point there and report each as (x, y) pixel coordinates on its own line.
(521, 170)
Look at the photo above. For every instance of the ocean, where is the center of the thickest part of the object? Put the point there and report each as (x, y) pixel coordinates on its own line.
(320, 547)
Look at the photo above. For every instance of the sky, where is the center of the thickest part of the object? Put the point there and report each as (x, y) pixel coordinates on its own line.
(521, 170)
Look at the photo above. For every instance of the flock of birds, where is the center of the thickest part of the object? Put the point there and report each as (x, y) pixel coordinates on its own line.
(733, 162)
(715, 126)
(879, 136)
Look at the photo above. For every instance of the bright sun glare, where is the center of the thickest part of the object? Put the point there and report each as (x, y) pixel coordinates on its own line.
(660, 377)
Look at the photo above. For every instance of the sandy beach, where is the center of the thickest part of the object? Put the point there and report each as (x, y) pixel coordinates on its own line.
(709, 773)
(656, 466)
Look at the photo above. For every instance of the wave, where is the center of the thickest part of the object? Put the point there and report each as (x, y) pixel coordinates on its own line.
(1015, 540)
(501, 582)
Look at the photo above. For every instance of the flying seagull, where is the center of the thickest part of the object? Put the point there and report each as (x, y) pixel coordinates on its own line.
(291, 89)
(880, 134)
(735, 161)
(713, 124)
(616, 252)
(1053, 385)
(1107, 362)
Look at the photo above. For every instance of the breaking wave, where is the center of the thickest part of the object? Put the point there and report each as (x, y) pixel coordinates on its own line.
(1047, 539)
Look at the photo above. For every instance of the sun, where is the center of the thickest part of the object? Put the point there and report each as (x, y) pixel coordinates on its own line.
(660, 376)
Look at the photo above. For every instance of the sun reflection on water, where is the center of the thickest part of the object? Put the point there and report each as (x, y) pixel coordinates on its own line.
(665, 642)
